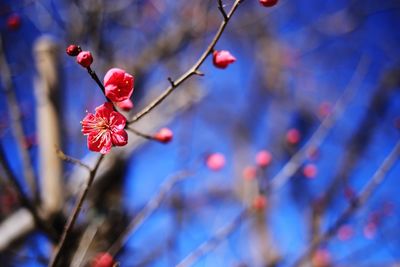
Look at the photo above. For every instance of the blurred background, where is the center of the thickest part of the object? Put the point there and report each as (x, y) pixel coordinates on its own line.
(299, 64)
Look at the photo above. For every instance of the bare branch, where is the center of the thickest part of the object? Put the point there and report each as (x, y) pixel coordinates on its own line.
(150, 207)
(72, 160)
(214, 241)
(191, 71)
(71, 221)
(378, 177)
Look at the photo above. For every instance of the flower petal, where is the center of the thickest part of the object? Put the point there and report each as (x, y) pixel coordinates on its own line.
(119, 138)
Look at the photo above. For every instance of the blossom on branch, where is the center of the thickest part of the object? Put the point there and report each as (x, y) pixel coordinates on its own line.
(104, 129)
(118, 85)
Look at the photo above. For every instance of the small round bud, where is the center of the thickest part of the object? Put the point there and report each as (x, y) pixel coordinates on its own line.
(259, 203)
(103, 259)
(84, 59)
(73, 50)
(268, 3)
(263, 158)
(13, 22)
(215, 161)
(164, 135)
(310, 171)
(293, 136)
(222, 59)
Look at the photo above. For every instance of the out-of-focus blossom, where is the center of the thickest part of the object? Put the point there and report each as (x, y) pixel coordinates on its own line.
(215, 161)
(103, 259)
(263, 158)
(268, 3)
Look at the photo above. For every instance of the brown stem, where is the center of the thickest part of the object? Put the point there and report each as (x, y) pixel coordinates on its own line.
(191, 71)
(213, 242)
(150, 207)
(71, 221)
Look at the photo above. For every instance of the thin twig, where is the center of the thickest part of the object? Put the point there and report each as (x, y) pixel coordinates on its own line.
(16, 124)
(146, 136)
(377, 179)
(25, 201)
(70, 159)
(191, 71)
(322, 131)
(222, 10)
(148, 210)
(214, 241)
(71, 220)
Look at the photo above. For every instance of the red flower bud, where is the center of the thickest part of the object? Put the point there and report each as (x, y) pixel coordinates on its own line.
(73, 50)
(310, 171)
(215, 161)
(268, 3)
(293, 136)
(103, 259)
(13, 22)
(85, 59)
(263, 158)
(164, 135)
(222, 59)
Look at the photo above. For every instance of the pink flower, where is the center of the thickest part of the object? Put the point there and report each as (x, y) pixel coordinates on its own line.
(164, 135)
(268, 3)
(104, 129)
(85, 59)
(263, 158)
(215, 161)
(103, 259)
(125, 105)
(118, 85)
(222, 59)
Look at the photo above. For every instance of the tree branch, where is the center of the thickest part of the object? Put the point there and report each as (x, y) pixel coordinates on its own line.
(191, 71)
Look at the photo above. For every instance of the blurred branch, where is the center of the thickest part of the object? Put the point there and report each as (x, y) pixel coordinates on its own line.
(322, 131)
(71, 221)
(25, 201)
(48, 109)
(192, 71)
(16, 123)
(377, 179)
(150, 207)
(210, 244)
